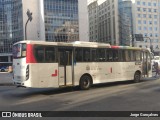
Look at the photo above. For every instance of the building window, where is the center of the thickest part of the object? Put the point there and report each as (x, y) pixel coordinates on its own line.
(149, 10)
(156, 35)
(145, 34)
(144, 9)
(138, 2)
(139, 21)
(138, 9)
(149, 3)
(156, 29)
(154, 4)
(144, 3)
(144, 22)
(150, 16)
(139, 28)
(144, 15)
(145, 28)
(150, 22)
(139, 15)
(155, 22)
(150, 28)
(155, 16)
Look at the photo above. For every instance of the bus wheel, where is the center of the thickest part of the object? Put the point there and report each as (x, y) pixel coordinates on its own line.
(137, 77)
(85, 82)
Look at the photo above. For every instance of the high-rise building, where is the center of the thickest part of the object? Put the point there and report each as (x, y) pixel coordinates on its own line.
(57, 20)
(11, 30)
(146, 22)
(125, 22)
(109, 22)
(10, 24)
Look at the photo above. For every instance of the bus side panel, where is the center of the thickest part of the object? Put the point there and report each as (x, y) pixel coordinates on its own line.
(44, 75)
(33, 76)
(100, 72)
(106, 71)
(19, 70)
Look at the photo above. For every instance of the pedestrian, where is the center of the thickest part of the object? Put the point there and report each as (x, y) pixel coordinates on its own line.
(156, 68)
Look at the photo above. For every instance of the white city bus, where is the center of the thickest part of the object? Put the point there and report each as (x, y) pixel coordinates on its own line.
(39, 64)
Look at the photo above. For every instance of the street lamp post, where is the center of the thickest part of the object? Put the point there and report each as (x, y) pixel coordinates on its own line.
(151, 47)
(29, 14)
(141, 37)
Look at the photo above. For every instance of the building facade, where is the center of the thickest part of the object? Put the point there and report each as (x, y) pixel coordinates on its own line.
(57, 20)
(11, 30)
(146, 22)
(125, 22)
(53, 20)
(109, 22)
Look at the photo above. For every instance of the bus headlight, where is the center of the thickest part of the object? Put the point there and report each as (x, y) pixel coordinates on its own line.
(27, 72)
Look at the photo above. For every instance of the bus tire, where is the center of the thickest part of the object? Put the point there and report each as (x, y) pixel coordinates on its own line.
(85, 82)
(137, 77)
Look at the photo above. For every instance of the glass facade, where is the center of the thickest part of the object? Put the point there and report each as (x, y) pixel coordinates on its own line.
(61, 20)
(125, 22)
(11, 24)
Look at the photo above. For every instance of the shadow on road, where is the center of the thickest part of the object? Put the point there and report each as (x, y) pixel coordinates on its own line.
(28, 92)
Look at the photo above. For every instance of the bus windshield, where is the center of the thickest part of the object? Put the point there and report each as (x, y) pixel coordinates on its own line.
(19, 50)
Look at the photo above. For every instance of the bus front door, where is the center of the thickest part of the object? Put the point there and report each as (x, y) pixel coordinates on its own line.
(146, 64)
(65, 67)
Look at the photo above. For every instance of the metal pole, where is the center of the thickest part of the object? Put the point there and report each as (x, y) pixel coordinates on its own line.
(26, 29)
(150, 43)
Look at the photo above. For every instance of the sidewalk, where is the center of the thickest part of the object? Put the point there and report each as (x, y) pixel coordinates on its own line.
(5, 78)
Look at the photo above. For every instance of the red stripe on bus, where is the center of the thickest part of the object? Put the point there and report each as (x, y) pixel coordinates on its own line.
(55, 73)
(30, 55)
(115, 47)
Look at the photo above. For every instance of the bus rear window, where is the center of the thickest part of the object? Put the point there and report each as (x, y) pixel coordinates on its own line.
(19, 50)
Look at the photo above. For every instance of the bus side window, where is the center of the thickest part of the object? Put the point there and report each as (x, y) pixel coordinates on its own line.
(138, 56)
(94, 55)
(132, 55)
(79, 54)
(109, 55)
(121, 55)
(39, 53)
(101, 55)
(86, 55)
(127, 55)
(115, 55)
(49, 54)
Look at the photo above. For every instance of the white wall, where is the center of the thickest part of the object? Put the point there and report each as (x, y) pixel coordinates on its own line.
(35, 28)
(83, 20)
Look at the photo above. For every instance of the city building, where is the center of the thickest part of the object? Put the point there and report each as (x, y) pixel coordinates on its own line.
(10, 28)
(110, 21)
(146, 18)
(57, 20)
(52, 20)
(125, 22)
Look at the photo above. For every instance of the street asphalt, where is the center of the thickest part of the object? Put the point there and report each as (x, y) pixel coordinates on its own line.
(5, 78)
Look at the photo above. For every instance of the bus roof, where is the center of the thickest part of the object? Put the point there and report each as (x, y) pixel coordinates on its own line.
(74, 44)
(81, 44)
(128, 47)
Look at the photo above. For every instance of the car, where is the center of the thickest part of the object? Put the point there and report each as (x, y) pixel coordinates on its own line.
(3, 69)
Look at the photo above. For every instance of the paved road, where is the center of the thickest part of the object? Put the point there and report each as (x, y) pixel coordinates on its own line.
(120, 96)
(5, 78)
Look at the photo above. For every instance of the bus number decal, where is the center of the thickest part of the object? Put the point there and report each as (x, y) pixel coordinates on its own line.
(55, 73)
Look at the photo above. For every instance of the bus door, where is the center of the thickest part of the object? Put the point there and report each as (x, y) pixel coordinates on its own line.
(146, 69)
(65, 66)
